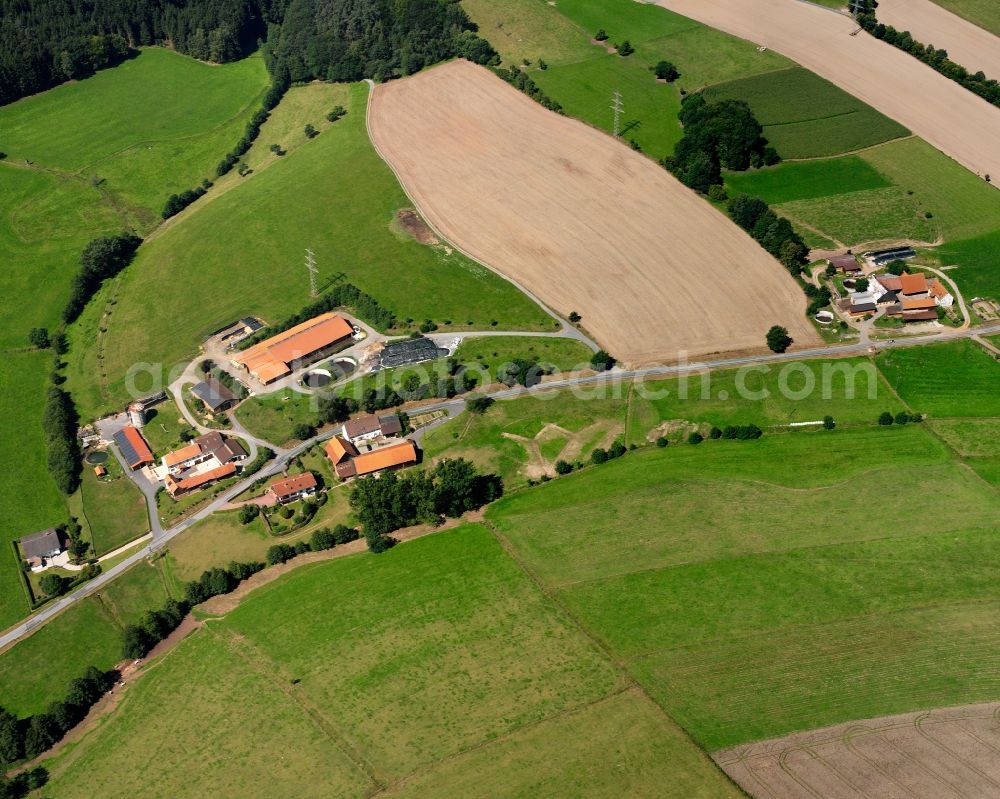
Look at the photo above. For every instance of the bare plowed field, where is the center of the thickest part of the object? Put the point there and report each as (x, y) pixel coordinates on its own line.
(939, 754)
(580, 220)
(937, 109)
(967, 44)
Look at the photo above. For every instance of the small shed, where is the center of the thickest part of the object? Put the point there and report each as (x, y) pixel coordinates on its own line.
(845, 263)
(100, 471)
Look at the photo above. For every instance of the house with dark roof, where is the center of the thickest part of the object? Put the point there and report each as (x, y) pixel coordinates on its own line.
(292, 488)
(845, 263)
(365, 428)
(43, 544)
(133, 447)
(214, 394)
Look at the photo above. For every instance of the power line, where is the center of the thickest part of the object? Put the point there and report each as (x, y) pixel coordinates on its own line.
(616, 106)
(311, 268)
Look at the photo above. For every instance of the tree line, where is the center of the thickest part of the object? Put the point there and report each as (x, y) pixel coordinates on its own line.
(774, 233)
(937, 59)
(102, 258)
(46, 42)
(59, 424)
(31, 736)
(390, 502)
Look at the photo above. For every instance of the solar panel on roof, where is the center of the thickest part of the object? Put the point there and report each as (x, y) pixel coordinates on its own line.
(411, 351)
(128, 451)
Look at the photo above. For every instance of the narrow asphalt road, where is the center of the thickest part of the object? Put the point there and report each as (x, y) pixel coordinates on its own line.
(615, 375)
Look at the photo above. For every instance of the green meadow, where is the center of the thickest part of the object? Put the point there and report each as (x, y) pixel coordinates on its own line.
(334, 195)
(416, 671)
(956, 379)
(983, 13)
(807, 180)
(112, 508)
(805, 116)
(757, 588)
(154, 125)
(31, 502)
(38, 669)
(978, 260)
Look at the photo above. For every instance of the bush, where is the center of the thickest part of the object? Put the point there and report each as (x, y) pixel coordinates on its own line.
(303, 431)
(617, 450)
(322, 539)
(344, 534)
(248, 513)
(662, 441)
(664, 70)
(599, 456)
(717, 193)
(601, 361)
(39, 338)
(562, 467)
(53, 584)
(337, 112)
(311, 132)
(885, 418)
(778, 339)
(626, 48)
(601, 35)
(574, 317)
(478, 404)
(902, 417)
(102, 258)
(695, 438)
(279, 553)
(829, 423)
(178, 202)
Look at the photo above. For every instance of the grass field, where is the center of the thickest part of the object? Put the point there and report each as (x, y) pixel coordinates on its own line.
(119, 126)
(222, 692)
(983, 13)
(945, 380)
(114, 508)
(970, 438)
(418, 671)
(38, 669)
(650, 108)
(737, 585)
(30, 502)
(334, 195)
(979, 264)
(805, 116)
(805, 180)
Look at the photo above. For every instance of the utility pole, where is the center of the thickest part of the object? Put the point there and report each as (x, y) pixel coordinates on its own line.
(311, 268)
(616, 106)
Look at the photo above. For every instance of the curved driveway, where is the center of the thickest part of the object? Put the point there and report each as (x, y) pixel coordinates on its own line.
(457, 405)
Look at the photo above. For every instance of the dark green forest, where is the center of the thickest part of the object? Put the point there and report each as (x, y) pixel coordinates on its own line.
(46, 42)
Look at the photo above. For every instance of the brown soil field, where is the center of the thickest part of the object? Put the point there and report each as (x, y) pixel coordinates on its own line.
(951, 118)
(967, 44)
(951, 753)
(580, 220)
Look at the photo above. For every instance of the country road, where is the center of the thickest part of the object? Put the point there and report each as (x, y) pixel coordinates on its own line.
(617, 375)
(891, 81)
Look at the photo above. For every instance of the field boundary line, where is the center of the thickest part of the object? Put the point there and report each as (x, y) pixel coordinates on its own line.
(775, 553)
(764, 633)
(597, 643)
(240, 646)
(570, 711)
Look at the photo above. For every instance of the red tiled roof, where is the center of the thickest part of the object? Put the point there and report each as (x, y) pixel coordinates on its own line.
(293, 485)
(386, 457)
(189, 484)
(141, 453)
(913, 284)
(270, 358)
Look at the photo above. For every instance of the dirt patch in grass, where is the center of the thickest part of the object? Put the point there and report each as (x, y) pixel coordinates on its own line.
(415, 227)
(538, 464)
